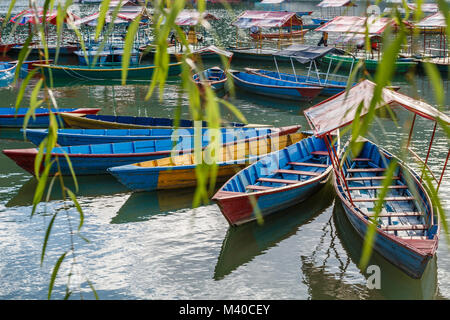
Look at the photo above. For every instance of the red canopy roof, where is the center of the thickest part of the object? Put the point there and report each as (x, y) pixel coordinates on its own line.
(192, 17)
(336, 4)
(267, 19)
(436, 20)
(340, 110)
(353, 24)
(37, 16)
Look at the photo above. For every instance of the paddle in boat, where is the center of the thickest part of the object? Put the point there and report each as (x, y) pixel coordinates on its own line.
(275, 88)
(275, 182)
(76, 137)
(180, 171)
(12, 117)
(131, 122)
(302, 53)
(407, 227)
(96, 158)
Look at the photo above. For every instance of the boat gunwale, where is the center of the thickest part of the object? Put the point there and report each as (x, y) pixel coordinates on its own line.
(95, 69)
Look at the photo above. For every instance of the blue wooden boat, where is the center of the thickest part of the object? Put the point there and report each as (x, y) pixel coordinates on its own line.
(407, 230)
(131, 122)
(74, 137)
(96, 158)
(180, 171)
(214, 77)
(275, 182)
(276, 88)
(10, 117)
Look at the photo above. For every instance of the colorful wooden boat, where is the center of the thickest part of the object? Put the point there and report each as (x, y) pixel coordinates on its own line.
(112, 72)
(131, 122)
(272, 87)
(330, 87)
(7, 71)
(179, 171)
(76, 137)
(96, 158)
(10, 117)
(275, 182)
(406, 228)
(213, 77)
(402, 65)
(294, 34)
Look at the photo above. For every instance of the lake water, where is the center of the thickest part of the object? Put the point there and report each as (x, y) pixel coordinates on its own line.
(155, 246)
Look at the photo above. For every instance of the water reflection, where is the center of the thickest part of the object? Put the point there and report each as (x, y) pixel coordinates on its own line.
(142, 206)
(88, 186)
(242, 244)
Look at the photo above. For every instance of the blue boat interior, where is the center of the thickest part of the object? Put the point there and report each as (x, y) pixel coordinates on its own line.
(300, 162)
(403, 214)
(302, 78)
(149, 121)
(211, 74)
(22, 111)
(146, 146)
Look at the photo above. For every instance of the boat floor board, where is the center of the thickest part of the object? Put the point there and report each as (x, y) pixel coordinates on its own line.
(385, 199)
(273, 180)
(298, 172)
(259, 188)
(370, 178)
(308, 164)
(378, 187)
(404, 227)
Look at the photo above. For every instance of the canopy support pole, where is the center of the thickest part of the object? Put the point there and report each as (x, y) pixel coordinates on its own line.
(443, 171)
(309, 70)
(293, 69)
(317, 71)
(429, 149)
(276, 65)
(411, 130)
(329, 68)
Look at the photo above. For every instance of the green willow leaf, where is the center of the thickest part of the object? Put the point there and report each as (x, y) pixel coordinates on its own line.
(54, 274)
(47, 236)
(101, 17)
(128, 47)
(77, 205)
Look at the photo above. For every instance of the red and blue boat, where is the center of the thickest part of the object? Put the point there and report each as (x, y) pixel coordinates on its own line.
(13, 118)
(97, 158)
(275, 182)
(407, 226)
(276, 88)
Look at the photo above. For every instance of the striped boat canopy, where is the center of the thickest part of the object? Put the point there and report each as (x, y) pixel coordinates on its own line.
(341, 109)
(354, 24)
(436, 20)
(35, 16)
(425, 7)
(336, 4)
(126, 14)
(271, 1)
(267, 19)
(215, 49)
(192, 17)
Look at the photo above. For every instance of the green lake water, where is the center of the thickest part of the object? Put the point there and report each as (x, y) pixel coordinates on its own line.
(153, 245)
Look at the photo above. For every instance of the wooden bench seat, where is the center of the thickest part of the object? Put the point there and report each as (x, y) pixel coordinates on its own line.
(272, 180)
(366, 170)
(396, 214)
(385, 199)
(319, 153)
(308, 164)
(402, 227)
(361, 159)
(298, 172)
(378, 187)
(370, 178)
(259, 188)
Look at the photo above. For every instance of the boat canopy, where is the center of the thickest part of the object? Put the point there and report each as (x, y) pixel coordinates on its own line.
(192, 17)
(436, 20)
(215, 49)
(336, 3)
(354, 24)
(267, 19)
(341, 109)
(271, 1)
(35, 16)
(125, 15)
(304, 53)
(357, 39)
(425, 7)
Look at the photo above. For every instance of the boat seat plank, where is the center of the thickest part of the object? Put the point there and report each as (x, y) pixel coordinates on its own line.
(404, 227)
(396, 214)
(308, 164)
(319, 153)
(273, 180)
(378, 187)
(361, 159)
(370, 178)
(366, 170)
(385, 199)
(298, 172)
(253, 187)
